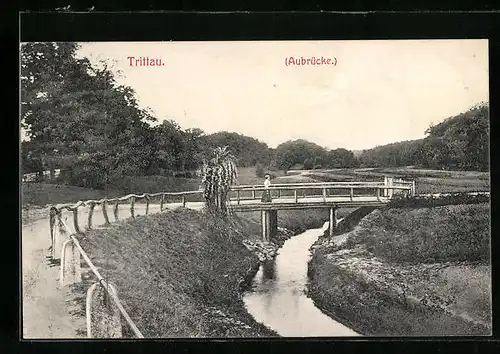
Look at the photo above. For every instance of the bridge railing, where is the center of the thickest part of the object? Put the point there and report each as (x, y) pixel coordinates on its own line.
(325, 190)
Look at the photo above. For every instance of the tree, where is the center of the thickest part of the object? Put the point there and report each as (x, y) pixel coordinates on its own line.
(219, 173)
(458, 142)
(297, 152)
(248, 151)
(308, 164)
(341, 158)
(191, 155)
(79, 118)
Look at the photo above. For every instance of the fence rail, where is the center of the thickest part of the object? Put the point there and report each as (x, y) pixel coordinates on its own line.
(74, 263)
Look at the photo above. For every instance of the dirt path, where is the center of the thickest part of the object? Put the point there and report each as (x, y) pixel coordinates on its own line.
(46, 312)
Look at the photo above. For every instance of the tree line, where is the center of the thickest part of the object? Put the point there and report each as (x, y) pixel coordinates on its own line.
(80, 120)
(460, 142)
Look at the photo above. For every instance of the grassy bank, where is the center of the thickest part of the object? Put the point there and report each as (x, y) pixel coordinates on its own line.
(426, 235)
(178, 273)
(406, 272)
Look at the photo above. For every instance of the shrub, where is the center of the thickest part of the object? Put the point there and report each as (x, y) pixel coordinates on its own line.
(259, 170)
(308, 164)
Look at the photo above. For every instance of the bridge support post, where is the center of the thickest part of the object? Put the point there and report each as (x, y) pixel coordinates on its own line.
(390, 184)
(269, 224)
(273, 218)
(333, 221)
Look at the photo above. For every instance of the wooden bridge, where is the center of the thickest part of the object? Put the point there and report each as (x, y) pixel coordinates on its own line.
(331, 195)
(247, 198)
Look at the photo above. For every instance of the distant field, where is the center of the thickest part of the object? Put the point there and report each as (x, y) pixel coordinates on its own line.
(41, 194)
(427, 181)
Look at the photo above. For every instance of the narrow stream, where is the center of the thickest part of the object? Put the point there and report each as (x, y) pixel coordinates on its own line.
(277, 297)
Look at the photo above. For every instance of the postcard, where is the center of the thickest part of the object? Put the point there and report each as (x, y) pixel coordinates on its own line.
(255, 189)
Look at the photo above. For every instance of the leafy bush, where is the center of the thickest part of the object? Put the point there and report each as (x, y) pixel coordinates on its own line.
(308, 164)
(259, 170)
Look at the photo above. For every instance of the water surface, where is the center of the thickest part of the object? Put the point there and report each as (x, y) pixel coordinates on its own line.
(277, 297)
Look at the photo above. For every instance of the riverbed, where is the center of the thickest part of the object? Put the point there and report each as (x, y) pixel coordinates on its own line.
(277, 295)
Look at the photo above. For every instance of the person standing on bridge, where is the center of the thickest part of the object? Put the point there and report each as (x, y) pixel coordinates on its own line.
(266, 196)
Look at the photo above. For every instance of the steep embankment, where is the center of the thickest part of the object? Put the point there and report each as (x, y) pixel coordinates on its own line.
(179, 273)
(405, 272)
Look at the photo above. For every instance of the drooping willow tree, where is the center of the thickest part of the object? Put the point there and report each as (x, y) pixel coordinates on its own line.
(219, 173)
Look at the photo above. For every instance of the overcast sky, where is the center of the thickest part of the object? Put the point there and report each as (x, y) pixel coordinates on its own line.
(379, 92)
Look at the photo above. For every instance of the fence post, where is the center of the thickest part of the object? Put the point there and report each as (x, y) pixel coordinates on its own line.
(105, 211)
(91, 212)
(115, 210)
(324, 195)
(295, 195)
(162, 200)
(58, 236)
(279, 193)
(352, 193)
(253, 194)
(132, 202)
(52, 223)
(147, 204)
(183, 200)
(378, 194)
(102, 314)
(70, 271)
(413, 188)
(75, 220)
(238, 197)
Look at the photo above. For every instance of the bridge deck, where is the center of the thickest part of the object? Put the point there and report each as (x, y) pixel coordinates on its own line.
(308, 203)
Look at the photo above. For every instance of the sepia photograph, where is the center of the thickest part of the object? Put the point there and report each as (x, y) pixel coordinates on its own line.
(255, 189)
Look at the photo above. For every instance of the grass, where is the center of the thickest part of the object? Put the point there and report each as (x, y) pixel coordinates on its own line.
(155, 184)
(374, 310)
(426, 235)
(172, 270)
(41, 194)
(380, 281)
(427, 181)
